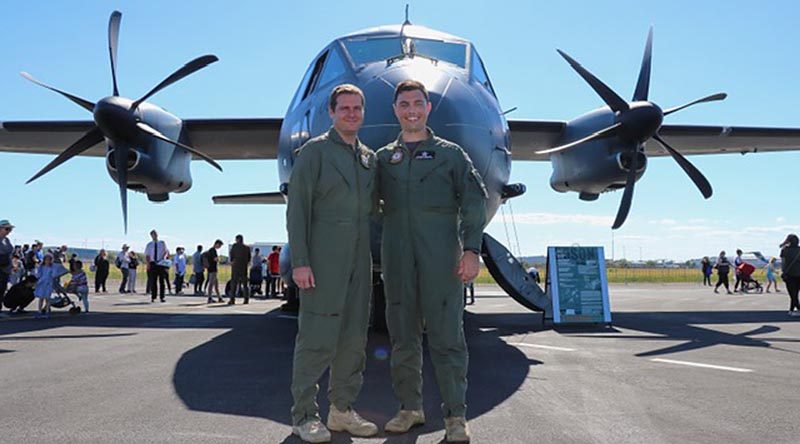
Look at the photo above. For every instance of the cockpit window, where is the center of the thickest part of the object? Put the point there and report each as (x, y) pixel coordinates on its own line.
(364, 51)
(479, 72)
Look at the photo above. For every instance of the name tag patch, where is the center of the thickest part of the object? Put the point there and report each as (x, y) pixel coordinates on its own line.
(425, 155)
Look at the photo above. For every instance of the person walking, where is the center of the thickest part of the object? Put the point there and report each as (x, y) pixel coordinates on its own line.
(331, 198)
(198, 269)
(737, 261)
(255, 272)
(240, 261)
(133, 268)
(707, 269)
(790, 267)
(100, 271)
(723, 266)
(274, 271)
(123, 263)
(212, 258)
(180, 269)
(6, 253)
(771, 280)
(434, 211)
(156, 254)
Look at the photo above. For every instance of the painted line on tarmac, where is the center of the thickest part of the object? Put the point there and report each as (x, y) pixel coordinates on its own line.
(545, 347)
(701, 365)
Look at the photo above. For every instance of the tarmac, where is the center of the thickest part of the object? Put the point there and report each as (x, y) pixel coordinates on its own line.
(678, 364)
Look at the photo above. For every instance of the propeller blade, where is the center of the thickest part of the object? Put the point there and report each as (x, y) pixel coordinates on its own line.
(643, 84)
(88, 140)
(113, 38)
(627, 196)
(89, 106)
(121, 160)
(612, 99)
(711, 98)
(697, 177)
(195, 65)
(606, 132)
(155, 133)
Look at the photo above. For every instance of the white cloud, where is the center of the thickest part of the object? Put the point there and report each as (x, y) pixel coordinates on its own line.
(664, 222)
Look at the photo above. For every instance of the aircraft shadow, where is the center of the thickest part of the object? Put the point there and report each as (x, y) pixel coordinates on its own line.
(688, 327)
(247, 371)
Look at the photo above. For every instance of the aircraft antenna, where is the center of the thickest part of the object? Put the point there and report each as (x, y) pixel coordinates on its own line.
(407, 22)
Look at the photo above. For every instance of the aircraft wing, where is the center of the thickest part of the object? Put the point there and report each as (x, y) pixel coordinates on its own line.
(222, 139)
(528, 136)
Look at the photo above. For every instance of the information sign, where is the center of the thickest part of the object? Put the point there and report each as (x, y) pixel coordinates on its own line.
(578, 285)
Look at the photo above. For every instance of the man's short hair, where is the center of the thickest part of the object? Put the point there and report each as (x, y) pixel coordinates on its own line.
(218, 241)
(239, 238)
(410, 85)
(153, 231)
(199, 247)
(344, 88)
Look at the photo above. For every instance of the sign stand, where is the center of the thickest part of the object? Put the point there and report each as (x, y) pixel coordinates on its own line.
(577, 283)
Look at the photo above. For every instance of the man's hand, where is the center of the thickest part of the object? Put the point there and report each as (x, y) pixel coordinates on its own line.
(468, 267)
(303, 277)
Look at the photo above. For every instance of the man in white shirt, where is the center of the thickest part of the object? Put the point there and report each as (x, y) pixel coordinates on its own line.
(122, 262)
(180, 269)
(155, 252)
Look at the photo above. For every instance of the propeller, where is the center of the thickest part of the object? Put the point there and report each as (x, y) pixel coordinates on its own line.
(115, 118)
(635, 123)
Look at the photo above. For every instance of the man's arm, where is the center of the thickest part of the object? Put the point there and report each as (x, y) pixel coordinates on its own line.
(298, 214)
(472, 204)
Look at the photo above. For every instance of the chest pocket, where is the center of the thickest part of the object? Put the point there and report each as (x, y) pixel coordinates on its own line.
(435, 187)
(332, 178)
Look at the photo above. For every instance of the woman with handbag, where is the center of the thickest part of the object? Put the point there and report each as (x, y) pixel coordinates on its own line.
(790, 265)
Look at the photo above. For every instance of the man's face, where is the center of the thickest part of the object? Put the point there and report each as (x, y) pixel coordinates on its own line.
(411, 110)
(5, 231)
(154, 235)
(348, 115)
(217, 246)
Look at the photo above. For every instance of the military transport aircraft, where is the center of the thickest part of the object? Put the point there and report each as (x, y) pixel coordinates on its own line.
(149, 150)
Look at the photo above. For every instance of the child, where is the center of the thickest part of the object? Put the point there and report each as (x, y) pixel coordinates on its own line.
(44, 286)
(79, 285)
(771, 275)
(17, 270)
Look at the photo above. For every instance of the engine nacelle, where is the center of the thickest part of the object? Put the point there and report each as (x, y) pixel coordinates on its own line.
(591, 172)
(146, 174)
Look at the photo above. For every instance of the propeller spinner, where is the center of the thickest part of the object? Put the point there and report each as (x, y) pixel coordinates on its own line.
(636, 122)
(115, 118)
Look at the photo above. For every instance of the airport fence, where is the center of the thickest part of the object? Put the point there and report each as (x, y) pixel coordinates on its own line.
(615, 275)
(642, 275)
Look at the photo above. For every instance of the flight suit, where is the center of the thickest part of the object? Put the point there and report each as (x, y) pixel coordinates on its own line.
(331, 198)
(434, 208)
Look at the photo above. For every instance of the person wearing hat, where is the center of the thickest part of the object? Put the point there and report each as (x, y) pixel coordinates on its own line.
(6, 250)
(122, 262)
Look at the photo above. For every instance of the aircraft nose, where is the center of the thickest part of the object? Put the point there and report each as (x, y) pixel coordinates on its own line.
(455, 110)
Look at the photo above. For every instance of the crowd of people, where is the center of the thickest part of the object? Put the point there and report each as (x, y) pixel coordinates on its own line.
(744, 281)
(28, 273)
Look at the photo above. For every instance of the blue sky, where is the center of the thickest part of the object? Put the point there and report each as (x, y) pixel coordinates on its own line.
(743, 48)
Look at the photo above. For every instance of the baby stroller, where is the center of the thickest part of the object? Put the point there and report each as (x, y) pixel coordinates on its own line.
(59, 298)
(749, 284)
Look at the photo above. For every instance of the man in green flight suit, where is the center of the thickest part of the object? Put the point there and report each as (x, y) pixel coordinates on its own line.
(434, 210)
(331, 199)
